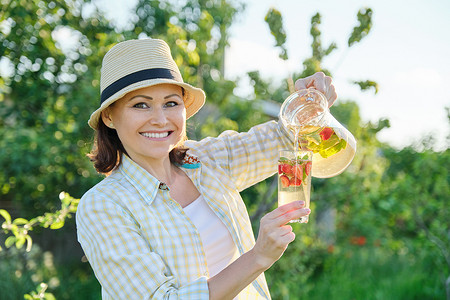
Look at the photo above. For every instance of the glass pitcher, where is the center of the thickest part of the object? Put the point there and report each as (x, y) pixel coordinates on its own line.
(306, 118)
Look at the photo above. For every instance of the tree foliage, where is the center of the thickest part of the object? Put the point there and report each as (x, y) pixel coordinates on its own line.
(387, 198)
(362, 30)
(19, 229)
(275, 22)
(52, 52)
(367, 84)
(50, 60)
(49, 85)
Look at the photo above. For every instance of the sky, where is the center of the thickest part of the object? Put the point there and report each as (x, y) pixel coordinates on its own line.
(407, 53)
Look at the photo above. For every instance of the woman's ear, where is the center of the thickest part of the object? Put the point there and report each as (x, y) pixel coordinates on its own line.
(106, 117)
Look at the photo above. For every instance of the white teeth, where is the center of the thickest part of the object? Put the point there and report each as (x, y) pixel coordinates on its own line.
(155, 135)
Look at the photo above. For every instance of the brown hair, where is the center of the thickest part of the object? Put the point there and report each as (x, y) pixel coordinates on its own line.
(106, 154)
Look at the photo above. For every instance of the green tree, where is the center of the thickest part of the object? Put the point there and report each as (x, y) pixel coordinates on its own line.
(275, 21)
(198, 34)
(415, 206)
(386, 197)
(47, 89)
(306, 255)
(52, 52)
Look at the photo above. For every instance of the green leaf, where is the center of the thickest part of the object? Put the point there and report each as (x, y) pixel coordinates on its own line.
(333, 140)
(305, 157)
(20, 221)
(333, 150)
(5, 215)
(315, 137)
(14, 229)
(20, 242)
(29, 243)
(49, 296)
(57, 225)
(363, 29)
(367, 84)
(275, 22)
(10, 241)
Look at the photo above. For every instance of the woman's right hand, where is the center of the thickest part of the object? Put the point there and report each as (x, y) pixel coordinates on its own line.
(274, 235)
(320, 82)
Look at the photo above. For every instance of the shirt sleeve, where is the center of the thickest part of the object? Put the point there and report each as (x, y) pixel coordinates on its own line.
(122, 259)
(247, 157)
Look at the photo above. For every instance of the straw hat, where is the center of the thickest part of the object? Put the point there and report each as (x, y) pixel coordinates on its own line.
(136, 64)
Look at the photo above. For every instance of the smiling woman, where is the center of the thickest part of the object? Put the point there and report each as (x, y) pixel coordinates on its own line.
(161, 225)
(150, 122)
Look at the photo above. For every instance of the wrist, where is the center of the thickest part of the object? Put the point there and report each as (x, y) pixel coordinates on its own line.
(260, 262)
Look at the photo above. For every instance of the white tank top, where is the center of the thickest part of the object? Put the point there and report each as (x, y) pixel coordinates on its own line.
(218, 244)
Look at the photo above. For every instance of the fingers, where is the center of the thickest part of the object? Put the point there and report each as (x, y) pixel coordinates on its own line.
(274, 235)
(283, 209)
(282, 236)
(291, 215)
(331, 95)
(316, 81)
(288, 238)
(287, 235)
(320, 82)
(288, 212)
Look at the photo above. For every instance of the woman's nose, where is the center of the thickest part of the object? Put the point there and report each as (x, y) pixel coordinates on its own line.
(158, 117)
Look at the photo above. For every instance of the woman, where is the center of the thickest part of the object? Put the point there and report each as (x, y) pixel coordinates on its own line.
(168, 221)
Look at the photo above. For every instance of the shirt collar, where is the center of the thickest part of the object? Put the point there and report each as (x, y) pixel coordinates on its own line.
(146, 184)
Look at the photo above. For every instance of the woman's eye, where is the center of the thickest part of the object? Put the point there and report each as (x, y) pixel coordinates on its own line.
(140, 105)
(171, 104)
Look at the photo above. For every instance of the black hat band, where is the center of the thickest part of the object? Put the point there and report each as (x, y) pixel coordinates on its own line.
(157, 73)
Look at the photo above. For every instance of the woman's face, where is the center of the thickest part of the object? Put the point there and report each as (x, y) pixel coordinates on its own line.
(150, 121)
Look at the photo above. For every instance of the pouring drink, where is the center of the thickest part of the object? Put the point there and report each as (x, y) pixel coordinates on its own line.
(306, 118)
(331, 151)
(322, 146)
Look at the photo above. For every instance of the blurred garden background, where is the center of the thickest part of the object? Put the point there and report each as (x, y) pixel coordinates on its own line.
(380, 230)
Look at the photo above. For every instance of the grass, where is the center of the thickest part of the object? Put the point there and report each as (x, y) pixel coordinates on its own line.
(351, 273)
(373, 274)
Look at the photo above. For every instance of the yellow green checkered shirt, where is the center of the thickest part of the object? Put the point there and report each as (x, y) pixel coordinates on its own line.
(138, 240)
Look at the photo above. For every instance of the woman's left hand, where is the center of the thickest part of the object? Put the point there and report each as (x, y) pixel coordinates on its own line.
(320, 82)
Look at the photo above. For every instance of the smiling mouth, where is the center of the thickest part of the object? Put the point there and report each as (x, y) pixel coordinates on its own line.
(156, 135)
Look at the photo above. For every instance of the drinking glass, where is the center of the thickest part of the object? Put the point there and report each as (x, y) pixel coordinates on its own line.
(294, 178)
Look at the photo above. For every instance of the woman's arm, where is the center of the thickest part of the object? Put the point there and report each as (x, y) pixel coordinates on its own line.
(250, 157)
(273, 239)
(246, 157)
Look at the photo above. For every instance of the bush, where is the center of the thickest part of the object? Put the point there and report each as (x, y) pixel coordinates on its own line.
(23, 272)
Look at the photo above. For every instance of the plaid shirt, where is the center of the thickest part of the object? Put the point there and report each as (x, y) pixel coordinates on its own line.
(141, 244)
